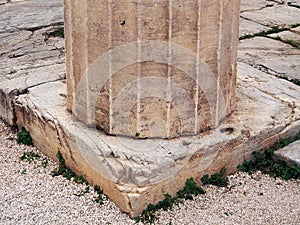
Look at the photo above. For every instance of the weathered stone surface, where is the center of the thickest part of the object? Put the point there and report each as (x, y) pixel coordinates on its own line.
(137, 172)
(29, 15)
(288, 35)
(290, 153)
(28, 57)
(171, 69)
(296, 30)
(255, 5)
(278, 15)
(271, 56)
(134, 172)
(250, 27)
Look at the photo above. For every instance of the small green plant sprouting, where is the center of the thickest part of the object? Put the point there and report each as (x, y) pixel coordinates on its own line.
(24, 171)
(58, 31)
(66, 171)
(24, 137)
(190, 189)
(83, 192)
(265, 162)
(101, 197)
(218, 179)
(29, 156)
(285, 141)
(137, 134)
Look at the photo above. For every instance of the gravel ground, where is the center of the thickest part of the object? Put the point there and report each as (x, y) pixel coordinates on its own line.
(30, 195)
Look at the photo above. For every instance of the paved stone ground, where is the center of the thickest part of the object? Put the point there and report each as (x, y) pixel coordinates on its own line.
(32, 55)
(29, 54)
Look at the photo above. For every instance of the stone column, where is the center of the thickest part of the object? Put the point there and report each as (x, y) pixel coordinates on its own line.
(151, 68)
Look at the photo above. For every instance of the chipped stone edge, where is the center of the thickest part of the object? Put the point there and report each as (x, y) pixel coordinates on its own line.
(50, 134)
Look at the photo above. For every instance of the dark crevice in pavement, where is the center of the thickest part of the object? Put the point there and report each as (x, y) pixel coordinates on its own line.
(252, 10)
(245, 18)
(271, 72)
(293, 5)
(33, 29)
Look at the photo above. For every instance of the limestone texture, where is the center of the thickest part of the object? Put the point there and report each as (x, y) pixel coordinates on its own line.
(250, 27)
(135, 172)
(30, 53)
(278, 15)
(290, 153)
(264, 54)
(145, 69)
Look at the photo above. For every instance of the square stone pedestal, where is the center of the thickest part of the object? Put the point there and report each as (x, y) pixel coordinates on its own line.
(135, 172)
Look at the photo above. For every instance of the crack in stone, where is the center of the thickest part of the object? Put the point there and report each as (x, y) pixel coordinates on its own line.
(245, 18)
(253, 10)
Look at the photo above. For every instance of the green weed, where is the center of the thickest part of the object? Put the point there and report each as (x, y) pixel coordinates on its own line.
(190, 189)
(265, 162)
(83, 192)
(29, 156)
(101, 197)
(66, 172)
(22, 171)
(24, 137)
(218, 179)
(273, 30)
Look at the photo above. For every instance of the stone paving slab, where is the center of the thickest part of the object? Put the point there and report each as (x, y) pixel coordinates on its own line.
(279, 15)
(250, 27)
(29, 15)
(255, 5)
(288, 35)
(296, 30)
(29, 54)
(272, 56)
(290, 153)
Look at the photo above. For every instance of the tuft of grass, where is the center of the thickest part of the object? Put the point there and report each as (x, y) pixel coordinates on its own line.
(218, 179)
(29, 156)
(101, 197)
(265, 162)
(190, 189)
(24, 137)
(66, 172)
